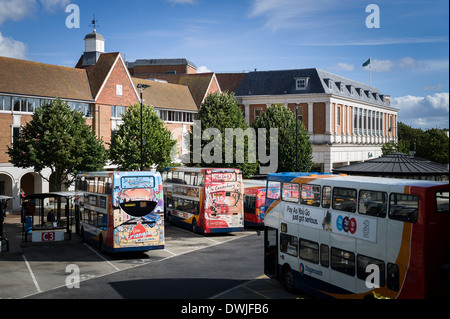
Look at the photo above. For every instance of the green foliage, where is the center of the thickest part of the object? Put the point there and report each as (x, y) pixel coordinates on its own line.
(278, 116)
(60, 139)
(125, 147)
(434, 146)
(221, 112)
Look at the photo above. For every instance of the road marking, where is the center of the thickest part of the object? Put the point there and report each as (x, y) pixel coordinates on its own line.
(243, 286)
(117, 269)
(32, 274)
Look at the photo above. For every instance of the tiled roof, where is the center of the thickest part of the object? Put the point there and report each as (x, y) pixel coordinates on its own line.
(97, 73)
(395, 164)
(198, 83)
(230, 81)
(167, 95)
(45, 80)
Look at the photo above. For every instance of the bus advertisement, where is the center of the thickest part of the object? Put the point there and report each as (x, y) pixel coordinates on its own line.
(206, 200)
(254, 202)
(357, 237)
(121, 211)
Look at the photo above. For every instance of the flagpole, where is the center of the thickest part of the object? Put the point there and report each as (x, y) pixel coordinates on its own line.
(370, 71)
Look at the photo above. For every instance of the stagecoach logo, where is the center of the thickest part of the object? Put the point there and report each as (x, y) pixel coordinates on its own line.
(306, 269)
(139, 232)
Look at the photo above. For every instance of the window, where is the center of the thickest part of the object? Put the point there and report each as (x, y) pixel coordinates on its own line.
(117, 111)
(119, 90)
(324, 255)
(403, 207)
(301, 83)
(343, 261)
(355, 120)
(273, 190)
(363, 262)
(338, 116)
(257, 112)
(393, 277)
(309, 251)
(289, 244)
(344, 199)
(326, 196)
(310, 195)
(442, 202)
(372, 203)
(5, 103)
(249, 204)
(291, 192)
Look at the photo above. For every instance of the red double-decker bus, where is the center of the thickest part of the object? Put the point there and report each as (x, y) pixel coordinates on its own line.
(206, 200)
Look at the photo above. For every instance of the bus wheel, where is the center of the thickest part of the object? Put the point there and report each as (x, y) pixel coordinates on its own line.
(194, 226)
(287, 278)
(100, 245)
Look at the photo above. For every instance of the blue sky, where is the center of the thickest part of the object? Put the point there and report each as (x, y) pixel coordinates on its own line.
(409, 50)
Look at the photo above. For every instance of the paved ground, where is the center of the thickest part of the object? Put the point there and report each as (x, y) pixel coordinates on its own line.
(38, 271)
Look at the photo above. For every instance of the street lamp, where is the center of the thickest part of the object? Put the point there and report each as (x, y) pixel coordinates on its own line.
(141, 88)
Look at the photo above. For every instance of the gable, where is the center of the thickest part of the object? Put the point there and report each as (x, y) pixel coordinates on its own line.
(105, 78)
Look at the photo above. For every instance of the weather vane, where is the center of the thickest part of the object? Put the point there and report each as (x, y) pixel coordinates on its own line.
(94, 23)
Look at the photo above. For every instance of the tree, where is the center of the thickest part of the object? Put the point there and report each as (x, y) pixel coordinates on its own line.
(222, 141)
(58, 138)
(278, 116)
(434, 146)
(125, 147)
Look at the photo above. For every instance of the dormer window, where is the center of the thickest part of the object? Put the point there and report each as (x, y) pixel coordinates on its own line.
(329, 83)
(340, 86)
(301, 83)
(351, 89)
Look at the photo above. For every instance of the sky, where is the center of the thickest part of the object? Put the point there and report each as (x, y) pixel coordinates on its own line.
(407, 40)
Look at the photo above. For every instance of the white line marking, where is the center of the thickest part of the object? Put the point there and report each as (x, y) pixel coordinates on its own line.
(31, 273)
(117, 269)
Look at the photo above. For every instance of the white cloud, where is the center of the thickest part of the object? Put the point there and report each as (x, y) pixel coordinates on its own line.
(15, 9)
(203, 69)
(407, 63)
(19, 9)
(53, 5)
(425, 112)
(12, 48)
(342, 66)
(288, 14)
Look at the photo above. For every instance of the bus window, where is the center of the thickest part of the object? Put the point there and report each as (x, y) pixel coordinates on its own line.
(344, 199)
(372, 203)
(310, 195)
(273, 190)
(343, 261)
(393, 278)
(200, 178)
(326, 196)
(442, 202)
(403, 207)
(290, 192)
(289, 244)
(363, 262)
(324, 255)
(249, 204)
(309, 251)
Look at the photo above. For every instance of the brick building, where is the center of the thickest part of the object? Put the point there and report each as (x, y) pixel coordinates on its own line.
(100, 86)
(347, 121)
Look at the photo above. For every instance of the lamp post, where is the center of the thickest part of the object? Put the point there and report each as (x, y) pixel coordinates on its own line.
(141, 88)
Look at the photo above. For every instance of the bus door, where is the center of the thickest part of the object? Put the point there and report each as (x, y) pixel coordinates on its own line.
(271, 252)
